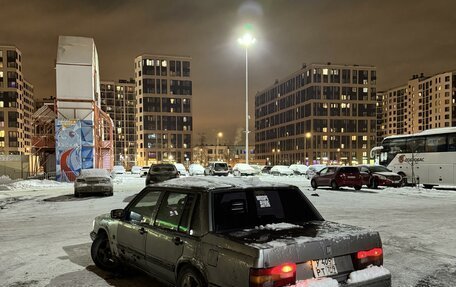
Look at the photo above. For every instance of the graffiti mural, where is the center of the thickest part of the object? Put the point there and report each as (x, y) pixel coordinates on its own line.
(74, 148)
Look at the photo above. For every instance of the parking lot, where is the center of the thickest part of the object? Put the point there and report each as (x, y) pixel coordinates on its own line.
(45, 231)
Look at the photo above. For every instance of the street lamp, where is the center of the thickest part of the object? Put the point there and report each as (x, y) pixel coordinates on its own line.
(274, 153)
(219, 135)
(308, 135)
(246, 41)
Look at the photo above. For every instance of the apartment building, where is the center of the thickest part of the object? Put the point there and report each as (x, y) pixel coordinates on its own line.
(163, 109)
(118, 99)
(322, 113)
(425, 102)
(16, 104)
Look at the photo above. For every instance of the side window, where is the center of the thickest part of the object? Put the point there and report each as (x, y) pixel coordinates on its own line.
(331, 169)
(324, 171)
(452, 142)
(142, 211)
(364, 169)
(174, 212)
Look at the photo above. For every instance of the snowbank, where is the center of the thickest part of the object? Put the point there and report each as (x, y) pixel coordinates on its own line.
(36, 183)
(368, 273)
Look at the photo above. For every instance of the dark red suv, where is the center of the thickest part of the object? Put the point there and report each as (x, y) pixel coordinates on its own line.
(337, 176)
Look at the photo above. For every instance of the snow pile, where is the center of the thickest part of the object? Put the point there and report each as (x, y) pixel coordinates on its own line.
(323, 282)
(4, 179)
(368, 273)
(277, 226)
(37, 183)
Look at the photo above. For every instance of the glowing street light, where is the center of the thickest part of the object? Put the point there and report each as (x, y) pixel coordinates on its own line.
(246, 41)
(308, 135)
(219, 135)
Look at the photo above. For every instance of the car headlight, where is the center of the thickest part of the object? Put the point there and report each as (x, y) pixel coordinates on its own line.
(382, 177)
(93, 224)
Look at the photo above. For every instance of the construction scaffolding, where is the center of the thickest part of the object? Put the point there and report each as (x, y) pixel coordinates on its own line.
(43, 141)
(95, 120)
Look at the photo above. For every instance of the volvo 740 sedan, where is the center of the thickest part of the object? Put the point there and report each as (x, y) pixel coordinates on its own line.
(234, 232)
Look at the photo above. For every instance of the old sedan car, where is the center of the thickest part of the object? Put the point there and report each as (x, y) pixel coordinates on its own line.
(281, 170)
(161, 172)
(338, 176)
(376, 175)
(196, 169)
(94, 180)
(234, 232)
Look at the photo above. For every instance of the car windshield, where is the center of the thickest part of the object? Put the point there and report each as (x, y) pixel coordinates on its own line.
(94, 173)
(378, 168)
(238, 210)
(162, 168)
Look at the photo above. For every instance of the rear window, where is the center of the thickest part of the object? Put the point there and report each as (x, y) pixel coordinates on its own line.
(250, 208)
(220, 166)
(163, 168)
(349, 169)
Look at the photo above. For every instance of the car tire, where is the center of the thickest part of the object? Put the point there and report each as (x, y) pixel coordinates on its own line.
(110, 193)
(357, 187)
(373, 183)
(404, 179)
(190, 277)
(334, 185)
(101, 254)
(314, 184)
(77, 194)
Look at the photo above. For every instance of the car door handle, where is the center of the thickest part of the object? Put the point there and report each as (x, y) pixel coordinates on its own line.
(142, 230)
(177, 240)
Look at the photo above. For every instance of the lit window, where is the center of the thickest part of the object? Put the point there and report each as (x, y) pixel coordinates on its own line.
(325, 138)
(325, 130)
(365, 90)
(364, 138)
(164, 63)
(325, 71)
(1, 104)
(353, 138)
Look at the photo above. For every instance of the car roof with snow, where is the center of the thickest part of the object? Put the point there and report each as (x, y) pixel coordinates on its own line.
(213, 183)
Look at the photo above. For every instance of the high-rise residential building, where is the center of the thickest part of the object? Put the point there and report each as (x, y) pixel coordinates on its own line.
(16, 104)
(118, 100)
(425, 102)
(393, 109)
(322, 113)
(163, 109)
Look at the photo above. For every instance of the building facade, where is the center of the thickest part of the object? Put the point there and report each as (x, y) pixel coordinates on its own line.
(323, 113)
(164, 122)
(16, 104)
(119, 101)
(425, 102)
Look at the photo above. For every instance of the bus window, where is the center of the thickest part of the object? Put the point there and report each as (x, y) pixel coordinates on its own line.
(416, 144)
(436, 143)
(398, 146)
(452, 142)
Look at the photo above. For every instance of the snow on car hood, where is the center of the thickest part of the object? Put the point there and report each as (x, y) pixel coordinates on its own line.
(387, 173)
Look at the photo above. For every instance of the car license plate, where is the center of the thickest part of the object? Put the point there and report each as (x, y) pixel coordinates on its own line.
(351, 176)
(324, 267)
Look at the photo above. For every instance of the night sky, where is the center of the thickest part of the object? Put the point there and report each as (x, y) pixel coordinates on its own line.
(400, 38)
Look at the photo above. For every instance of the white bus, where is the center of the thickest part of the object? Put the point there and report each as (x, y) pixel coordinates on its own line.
(428, 157)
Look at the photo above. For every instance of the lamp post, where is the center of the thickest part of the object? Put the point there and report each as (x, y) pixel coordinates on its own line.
(246, 41)
(308, 135)
(219, 135)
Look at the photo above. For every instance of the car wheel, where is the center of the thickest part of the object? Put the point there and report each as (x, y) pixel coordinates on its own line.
(189, 277)
(374, 183)
(101, 254)
(357, 187)
(77, 194)
(314, 184)
(110, 193)
(404, 179)
(334, 185)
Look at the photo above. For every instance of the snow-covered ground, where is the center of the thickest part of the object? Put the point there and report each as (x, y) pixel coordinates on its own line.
(44, 230)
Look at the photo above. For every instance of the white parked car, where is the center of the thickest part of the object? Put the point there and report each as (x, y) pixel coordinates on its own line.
(144, 171)
(136, 169)
(118, 169)
(241, 169)
(299, 169)
(281, 170)
(313, 169)
(195, 169)
(257, 168)
(181, 169)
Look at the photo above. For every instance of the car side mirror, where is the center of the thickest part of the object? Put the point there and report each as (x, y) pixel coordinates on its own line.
(117, 214)
(317, 173)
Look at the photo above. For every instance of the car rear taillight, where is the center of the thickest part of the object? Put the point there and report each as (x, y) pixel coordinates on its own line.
(281, 275)
(364, 258)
